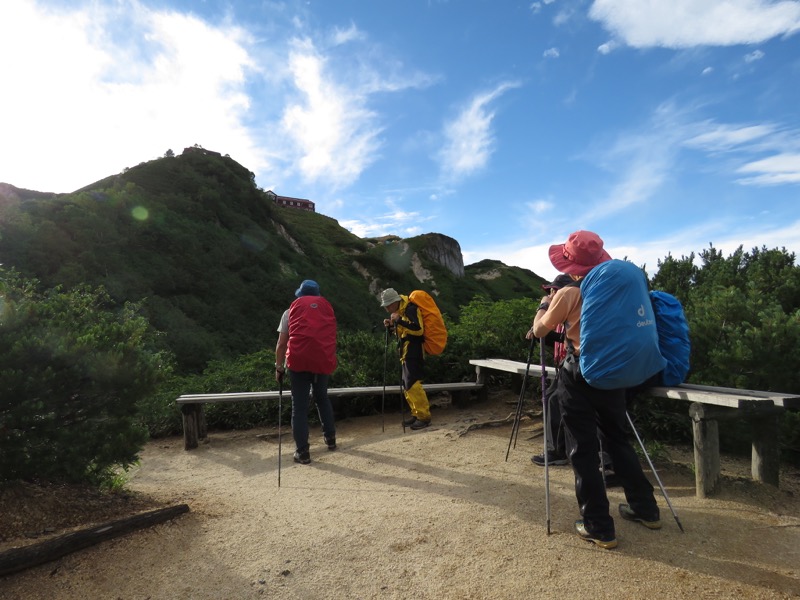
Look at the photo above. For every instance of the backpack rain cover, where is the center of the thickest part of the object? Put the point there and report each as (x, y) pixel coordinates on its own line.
(673, 337)
(434, 330)
(312, 336)
(619, 339)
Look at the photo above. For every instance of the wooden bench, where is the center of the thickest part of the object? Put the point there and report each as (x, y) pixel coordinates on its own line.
(194, 421)
(708, 405)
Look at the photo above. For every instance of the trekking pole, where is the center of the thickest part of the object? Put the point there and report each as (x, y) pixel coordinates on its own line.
(658, 479)
(280, 406)
(546, 426)
(518, 411)
(602, 459)
(383, 399)
(402, 399)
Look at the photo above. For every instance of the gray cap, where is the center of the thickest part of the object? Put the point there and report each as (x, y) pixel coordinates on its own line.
(389, 296)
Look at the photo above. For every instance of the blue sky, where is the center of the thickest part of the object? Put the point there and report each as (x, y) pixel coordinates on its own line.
(663, 125)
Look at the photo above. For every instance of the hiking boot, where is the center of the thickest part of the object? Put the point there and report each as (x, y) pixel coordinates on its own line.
(626, 512)
(553, 459)
(330, 442)
(409, 421)
(420, 424)
(604, 541)
(302, 456)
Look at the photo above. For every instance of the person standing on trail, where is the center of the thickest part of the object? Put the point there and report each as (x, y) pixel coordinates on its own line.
(585, 408)
(406, 323)
(556, 440)
(307, 349)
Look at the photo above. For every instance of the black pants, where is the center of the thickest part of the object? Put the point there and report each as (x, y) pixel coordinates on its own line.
(557, 439)
(556, 442)
(584, 410)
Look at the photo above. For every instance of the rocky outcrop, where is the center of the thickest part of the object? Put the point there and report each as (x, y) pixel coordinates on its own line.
(445, 251)
(419, 270)
(285, 235)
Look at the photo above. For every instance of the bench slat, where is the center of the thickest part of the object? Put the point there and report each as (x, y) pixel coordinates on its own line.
(511, 366)
(717, 396)
(393, 389)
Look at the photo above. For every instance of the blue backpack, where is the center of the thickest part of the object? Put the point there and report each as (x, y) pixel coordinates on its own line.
(673, 337)
(619, 339)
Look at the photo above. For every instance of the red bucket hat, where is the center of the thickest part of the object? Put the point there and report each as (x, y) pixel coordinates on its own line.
(582, 251)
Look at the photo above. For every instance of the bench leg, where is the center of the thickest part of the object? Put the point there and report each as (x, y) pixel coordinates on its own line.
(202, 426)
(480, 378)
(766, 452)
(189, 413)
(705, 431)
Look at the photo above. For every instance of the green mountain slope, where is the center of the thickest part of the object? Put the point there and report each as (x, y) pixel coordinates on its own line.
(215, 262)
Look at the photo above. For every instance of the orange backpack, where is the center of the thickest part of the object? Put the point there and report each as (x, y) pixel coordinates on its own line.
(435, 332)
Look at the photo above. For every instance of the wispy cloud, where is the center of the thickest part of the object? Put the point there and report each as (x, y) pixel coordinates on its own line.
(723, 137)
(607, 47)
(397, 222)
(469, 138)
(754, 56)
(640, 159)
(551, 53)
(330, 127)
(684, 23)
(749, 144)
(775, 170)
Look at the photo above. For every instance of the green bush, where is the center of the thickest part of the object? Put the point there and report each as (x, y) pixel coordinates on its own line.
(74, 366)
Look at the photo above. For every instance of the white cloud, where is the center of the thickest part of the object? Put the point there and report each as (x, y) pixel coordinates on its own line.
(331, 128)
(707, 71)
(774, 170)
(469, 139)
(112, 86)
(726, 237)
(551, 53)
(723, 137)
(608, 47)
(685, 23)
(753, 56)
(398, 222)
(640, 160)
(343, 36)
(537, 6)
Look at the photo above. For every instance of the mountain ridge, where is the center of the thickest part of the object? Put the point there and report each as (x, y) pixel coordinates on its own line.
(214, 262)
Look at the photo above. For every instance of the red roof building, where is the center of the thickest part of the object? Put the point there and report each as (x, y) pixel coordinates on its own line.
(289, 202)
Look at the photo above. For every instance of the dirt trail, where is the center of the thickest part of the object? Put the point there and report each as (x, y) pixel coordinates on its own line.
(432, 514)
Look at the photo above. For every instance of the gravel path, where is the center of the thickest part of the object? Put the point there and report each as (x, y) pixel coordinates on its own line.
(436, 514)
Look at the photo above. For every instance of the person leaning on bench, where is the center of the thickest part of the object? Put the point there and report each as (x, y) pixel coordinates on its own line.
(584, 408)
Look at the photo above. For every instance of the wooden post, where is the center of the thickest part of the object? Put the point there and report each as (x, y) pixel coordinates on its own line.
(190, 425)
(202, 426)
(480, 378)
(706, 449)
(766, 450)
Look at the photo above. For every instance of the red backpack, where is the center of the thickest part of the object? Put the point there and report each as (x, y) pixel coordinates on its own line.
(312, 336)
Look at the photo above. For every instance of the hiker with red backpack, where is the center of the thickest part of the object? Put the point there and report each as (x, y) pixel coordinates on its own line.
(406, 322)
(307, 345)
(586, 406)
